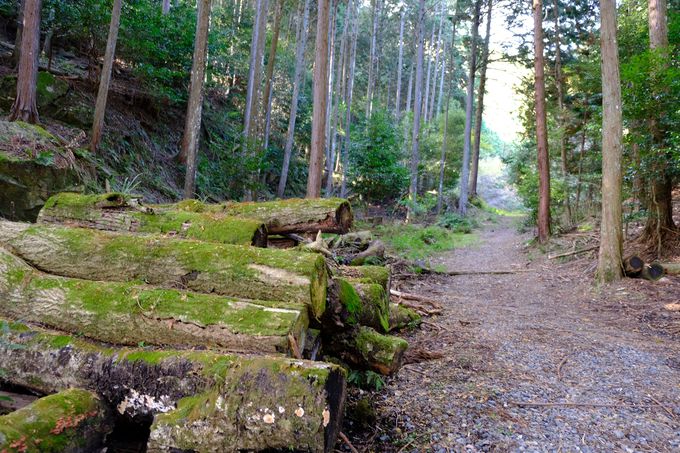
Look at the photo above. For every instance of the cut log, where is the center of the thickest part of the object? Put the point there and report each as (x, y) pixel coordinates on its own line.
(374, 252)
(366, 274)
(209, 401)
(652, 272)
(129, 313)
(671, 268)
(402, 317)
(70, 421)
(365, 304)
(365, 348)
(329, 215)
(229, 270)
(633, 265)
(118, 212)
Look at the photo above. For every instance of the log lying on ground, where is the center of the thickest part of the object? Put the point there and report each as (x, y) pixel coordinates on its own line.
(652, 272)
(366, 274)
(129, 313)
(402, 317)
(118, 212)
(210, 401)
(375, 252)
(365, 348)
(330, 215)
(70, 421)
(230, 270)
(633, 265)
(365, 304)
(671, 268)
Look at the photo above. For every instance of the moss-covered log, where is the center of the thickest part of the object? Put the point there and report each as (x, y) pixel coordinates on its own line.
(365, 304)
(403, 317)
(209, 401)
(130, 313)
(671, 268)
(119, 212)
(330, 215)
(230, 270)
(367, 274)
(70, 421)
(363, 347)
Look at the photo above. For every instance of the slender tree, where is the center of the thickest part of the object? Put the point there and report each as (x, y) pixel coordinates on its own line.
(465, 173)
(192, 126)
(165, 9)
(541, 127)
(437, 49)
(297, 81)
(319, 109)
(474, 173)
(611, 237)
(400, 61)
(373, 63)
(427, 78)
(269, 72)
(105, 77)
(254, 76)
(348, 101)
(18, 38)
(417, 110)
(25, 107)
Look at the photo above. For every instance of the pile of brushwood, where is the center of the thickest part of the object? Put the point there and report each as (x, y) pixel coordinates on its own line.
(186, 319)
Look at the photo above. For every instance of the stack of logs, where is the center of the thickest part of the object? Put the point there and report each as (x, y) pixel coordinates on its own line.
(180, 316)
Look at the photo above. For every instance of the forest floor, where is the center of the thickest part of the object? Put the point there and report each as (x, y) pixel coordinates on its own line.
(533, 361)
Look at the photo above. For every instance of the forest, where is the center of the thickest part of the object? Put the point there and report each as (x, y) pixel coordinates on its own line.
(249, 225)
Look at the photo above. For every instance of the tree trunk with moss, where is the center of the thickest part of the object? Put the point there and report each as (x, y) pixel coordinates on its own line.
(365, 304)
(197, 400)
(365, 348)
(330, 215)
(403, 317)
(229, 270)
(74, 420)
(129, 313)
(118, 212)
(367, 274)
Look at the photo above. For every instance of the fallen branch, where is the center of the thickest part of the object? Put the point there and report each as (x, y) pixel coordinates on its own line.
(575, 252)
(347, 442)
(418, 308)
(492, 272)
(402, 295)
(620, 405)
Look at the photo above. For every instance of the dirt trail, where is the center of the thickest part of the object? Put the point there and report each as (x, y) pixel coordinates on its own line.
(531, 337)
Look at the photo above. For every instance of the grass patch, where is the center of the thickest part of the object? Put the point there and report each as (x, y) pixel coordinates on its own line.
(418, 242)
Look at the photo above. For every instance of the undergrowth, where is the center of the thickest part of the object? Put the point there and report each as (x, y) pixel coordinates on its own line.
(414, 242)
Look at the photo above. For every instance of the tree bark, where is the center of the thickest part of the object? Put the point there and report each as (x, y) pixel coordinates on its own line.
(24, 107)
(117, 212)
(559, 83)
(442, 160)
(192, 126)
(373, 58)
(229, 270)
(417, 111)
(438, 51)
(348, 103)
(366, 348)
(427, 81)
(256, 50)
(269, 72)
(609, 266)
(166, 7)
(130, 313)
(297, 81)
(16, 54)
(541, 127)
(319, 109)
(400, 61)
(105, 77)
(164, 386)
(71, 421)
(480, 105)
(465, 173)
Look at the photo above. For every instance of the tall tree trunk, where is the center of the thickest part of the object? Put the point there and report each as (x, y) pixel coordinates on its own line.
(474, 173)
(192, 127)
(427, 80)
(611, 240)
(254, 76)
(332, 56)
(417, 111)
(330, 163)
(541, 127)
(409, 90)
(559, 83)
(440, 97)
(269, 77)
(438, 49)
(442, 158)
(348, 101)
(372, 63)
(400, 61)
(660, 202)
(166, 7)
(105, 77)
(24, 107)
(319, 109)
(16, 55)
(465, 173)
(297, 81)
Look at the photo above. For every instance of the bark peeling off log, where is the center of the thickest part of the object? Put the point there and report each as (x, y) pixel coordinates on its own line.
(127, 313)
(70, 421)
(330, 215)
(208, 401)
(194, 265)
(119, 212)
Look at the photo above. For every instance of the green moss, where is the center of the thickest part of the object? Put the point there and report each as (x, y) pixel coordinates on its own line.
(403, 317)
(79, 203)
(370, 274)
(350, 299)
(380, 348)
(50, 424)
(264, 210)
(60, 341)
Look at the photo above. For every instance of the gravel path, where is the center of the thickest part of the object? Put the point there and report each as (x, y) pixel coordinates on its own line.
(594, 385)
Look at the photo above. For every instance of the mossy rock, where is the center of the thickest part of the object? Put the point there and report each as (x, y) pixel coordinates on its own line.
(74, 420)
(32, 168)
(48, 90)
